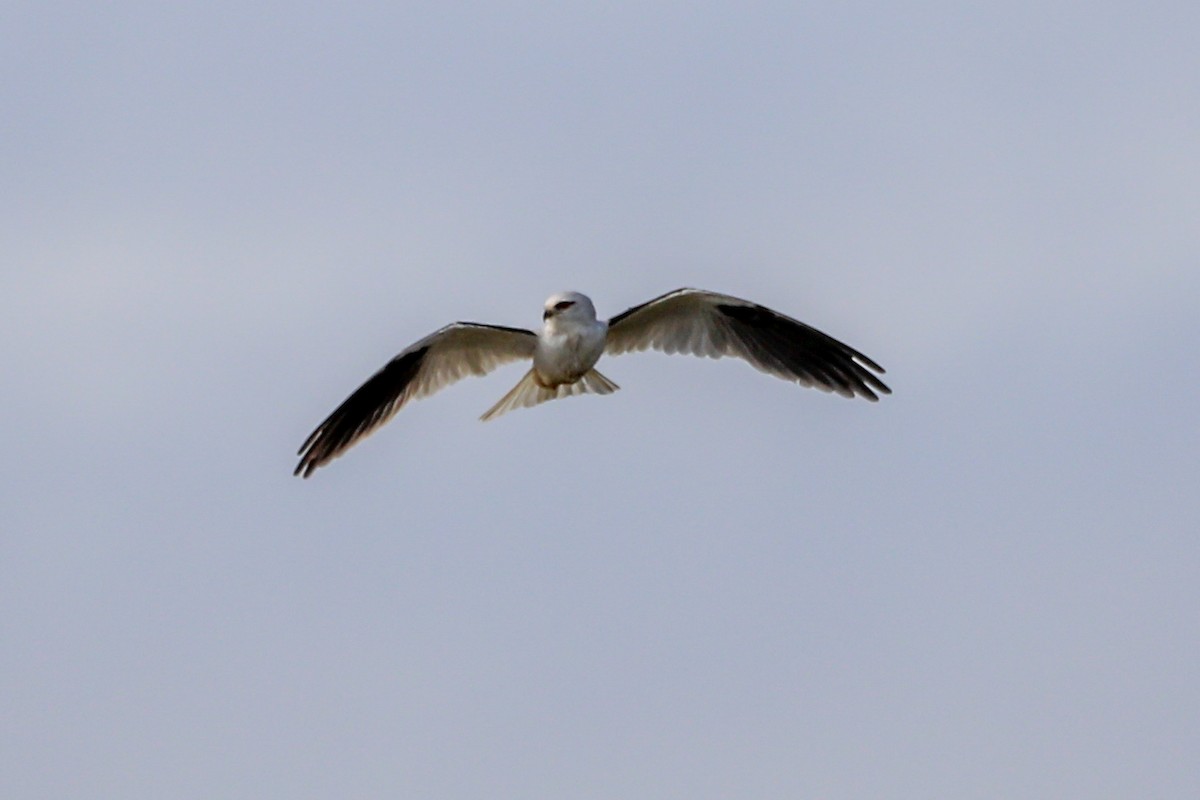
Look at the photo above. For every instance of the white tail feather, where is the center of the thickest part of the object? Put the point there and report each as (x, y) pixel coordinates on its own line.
(529, 393)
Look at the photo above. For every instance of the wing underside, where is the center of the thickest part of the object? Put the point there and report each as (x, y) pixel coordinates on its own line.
(440, 359)
(700, 323)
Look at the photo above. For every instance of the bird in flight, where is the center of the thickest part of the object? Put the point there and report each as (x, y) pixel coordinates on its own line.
(572, 340)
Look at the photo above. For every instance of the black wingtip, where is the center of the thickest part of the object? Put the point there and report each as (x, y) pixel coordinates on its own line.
(305, 467)
(805, 351)
(359, 413)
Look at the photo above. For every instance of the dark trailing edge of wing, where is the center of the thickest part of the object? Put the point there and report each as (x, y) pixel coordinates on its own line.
(360, 412)
(801, 350)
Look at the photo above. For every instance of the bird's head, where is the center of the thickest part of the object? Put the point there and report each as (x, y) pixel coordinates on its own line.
(570, 306)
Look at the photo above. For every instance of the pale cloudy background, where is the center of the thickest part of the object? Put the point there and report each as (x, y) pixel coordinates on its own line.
(219, 219)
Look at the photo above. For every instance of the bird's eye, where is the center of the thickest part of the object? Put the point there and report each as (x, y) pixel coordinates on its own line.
(562, 305)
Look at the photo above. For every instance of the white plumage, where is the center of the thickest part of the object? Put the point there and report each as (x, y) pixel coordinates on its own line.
(564, 354)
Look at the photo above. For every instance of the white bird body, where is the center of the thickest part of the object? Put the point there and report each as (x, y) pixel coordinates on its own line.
(572, 340)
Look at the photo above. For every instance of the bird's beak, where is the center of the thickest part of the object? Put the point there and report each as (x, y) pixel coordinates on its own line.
(547, 314)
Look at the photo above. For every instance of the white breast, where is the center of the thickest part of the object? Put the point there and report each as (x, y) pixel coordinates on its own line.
(565, 352)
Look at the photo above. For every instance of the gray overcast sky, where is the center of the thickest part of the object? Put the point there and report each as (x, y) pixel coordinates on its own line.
(219, 219)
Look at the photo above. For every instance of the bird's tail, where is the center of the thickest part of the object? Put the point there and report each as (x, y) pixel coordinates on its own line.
(528, 392)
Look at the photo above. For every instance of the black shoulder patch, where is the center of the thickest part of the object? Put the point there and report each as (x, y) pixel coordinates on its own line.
(631, 311)
(504, 328)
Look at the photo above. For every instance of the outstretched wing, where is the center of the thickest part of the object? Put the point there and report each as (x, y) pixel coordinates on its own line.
(438, 360)
(699, 323)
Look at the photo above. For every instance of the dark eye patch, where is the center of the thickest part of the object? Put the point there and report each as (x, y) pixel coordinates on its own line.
(563, 304)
